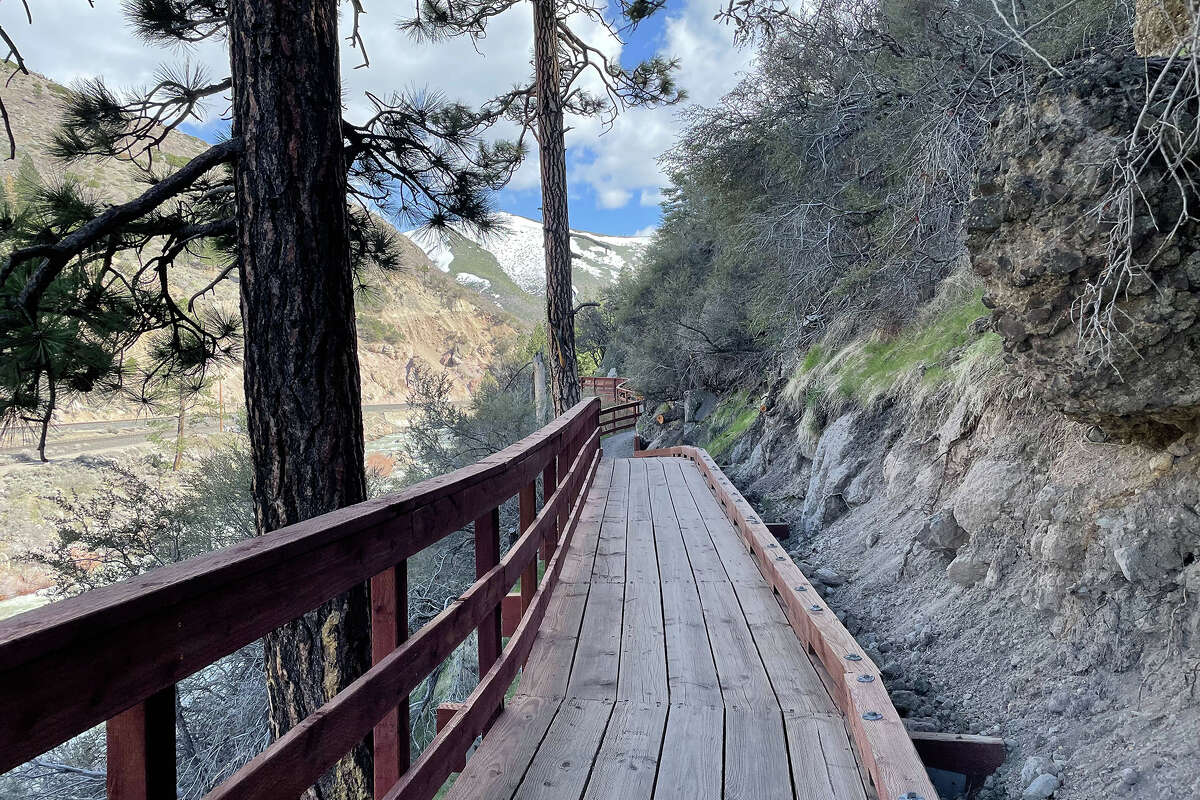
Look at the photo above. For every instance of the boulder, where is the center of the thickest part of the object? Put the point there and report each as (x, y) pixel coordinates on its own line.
(966, 571)
(942, 532)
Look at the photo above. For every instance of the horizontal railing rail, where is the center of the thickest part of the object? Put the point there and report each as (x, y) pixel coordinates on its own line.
(627, 405)
(115, 654)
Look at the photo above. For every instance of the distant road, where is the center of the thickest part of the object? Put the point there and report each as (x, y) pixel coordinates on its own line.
(71, 439)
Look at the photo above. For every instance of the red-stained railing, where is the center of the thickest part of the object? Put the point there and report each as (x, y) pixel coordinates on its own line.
(114, 655)
(625, 404)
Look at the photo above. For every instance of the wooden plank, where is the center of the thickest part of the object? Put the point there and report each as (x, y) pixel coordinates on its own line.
(560, 769)
(610, 553)
(691, 672)
(597, 656)
(497, 766)
(756, 757)
(487, 556)
(141, 750)
(706, 564)
(674, 564)
(967, 754)
(643, 665)
(797, 686)
(743, 679)
(735, 557)
(528, 511)
(581, 554)
(628, 757)
(692, 755)
(822, 761)
(549, 666)
(389, 629)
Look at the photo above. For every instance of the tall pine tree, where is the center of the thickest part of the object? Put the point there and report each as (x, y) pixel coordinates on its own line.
(563, 62)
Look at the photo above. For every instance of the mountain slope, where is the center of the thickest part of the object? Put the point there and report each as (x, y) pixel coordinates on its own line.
(508, 266)
(418, 314)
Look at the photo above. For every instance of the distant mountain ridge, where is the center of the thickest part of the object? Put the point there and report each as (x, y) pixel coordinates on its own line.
(508, 265)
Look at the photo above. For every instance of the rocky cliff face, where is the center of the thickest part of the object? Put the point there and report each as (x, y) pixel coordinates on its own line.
(1041, 231)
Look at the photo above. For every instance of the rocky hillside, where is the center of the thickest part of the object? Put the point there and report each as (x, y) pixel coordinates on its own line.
(1007, 520)
(416, 315)
(508, 266)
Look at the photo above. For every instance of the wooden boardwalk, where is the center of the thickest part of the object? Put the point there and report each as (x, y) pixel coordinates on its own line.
(665, 666)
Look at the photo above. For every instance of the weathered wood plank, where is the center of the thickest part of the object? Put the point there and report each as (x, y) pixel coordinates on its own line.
(628, 757)
(560, 769)
(549, 667)
(756, 758)
(706, 564)
(739, 565)
(643, 673)
(743, 679)
(797, 686)
(497, 766)
(691, 672)
(692, 755)
(597, 656)
(823, 764)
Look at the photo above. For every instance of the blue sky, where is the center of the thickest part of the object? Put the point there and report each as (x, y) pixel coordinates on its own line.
(614, 177)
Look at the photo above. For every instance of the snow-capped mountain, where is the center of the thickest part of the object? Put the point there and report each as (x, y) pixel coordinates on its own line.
(508, 265)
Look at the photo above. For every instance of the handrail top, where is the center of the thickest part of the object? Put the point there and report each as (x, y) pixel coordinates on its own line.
(31, 634)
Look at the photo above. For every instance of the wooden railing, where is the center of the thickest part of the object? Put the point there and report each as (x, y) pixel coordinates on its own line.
(114, 655)
(854, 681)
(625, 404)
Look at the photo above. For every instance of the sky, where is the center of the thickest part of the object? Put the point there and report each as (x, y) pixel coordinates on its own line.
(613, 177)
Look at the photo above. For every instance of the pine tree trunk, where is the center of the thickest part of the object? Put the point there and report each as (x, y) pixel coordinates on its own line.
(541, 407)
(180, 419)
(301, 363)
(556, 229)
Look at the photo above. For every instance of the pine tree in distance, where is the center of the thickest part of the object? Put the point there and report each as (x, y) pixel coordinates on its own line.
(288, 199)
(570, 76)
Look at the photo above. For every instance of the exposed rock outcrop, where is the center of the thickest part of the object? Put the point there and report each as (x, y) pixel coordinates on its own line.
(1039, 231)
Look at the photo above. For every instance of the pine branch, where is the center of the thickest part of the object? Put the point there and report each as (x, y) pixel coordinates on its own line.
(56, 255)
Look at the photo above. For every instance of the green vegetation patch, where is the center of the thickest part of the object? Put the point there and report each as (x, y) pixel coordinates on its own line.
(730, 420)
(872, 367)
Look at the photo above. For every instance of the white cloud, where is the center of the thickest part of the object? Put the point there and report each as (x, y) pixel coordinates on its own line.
(652, 197)
(69, 40)
(649, 230)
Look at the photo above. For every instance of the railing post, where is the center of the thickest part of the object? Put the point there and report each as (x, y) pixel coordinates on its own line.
(549, 484)
(141, 750)
(389, 629)
(487, 555)
(529, 578)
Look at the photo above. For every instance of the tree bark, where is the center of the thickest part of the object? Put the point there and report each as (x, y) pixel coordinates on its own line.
(301, 363)
(556, 229)
(541, 407)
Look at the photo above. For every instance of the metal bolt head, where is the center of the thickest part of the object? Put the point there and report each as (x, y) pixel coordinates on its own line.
(801, 588)
(872, 716)
(910, 796)
(853, 657)
(866, 678)
(814, 607)
(779, 558)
